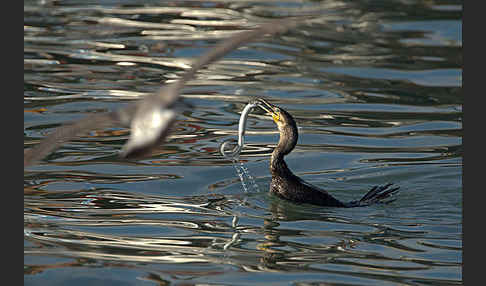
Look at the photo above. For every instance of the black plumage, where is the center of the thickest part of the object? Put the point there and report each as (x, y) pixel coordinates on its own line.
(285, 184)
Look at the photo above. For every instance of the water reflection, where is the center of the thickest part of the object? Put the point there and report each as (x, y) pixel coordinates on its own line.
(375, 87)
(93, 224)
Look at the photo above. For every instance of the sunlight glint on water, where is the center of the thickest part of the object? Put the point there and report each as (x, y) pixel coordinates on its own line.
(374, 86)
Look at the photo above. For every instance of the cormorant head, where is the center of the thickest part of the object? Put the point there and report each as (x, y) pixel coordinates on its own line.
(279, 115)
(285, 123)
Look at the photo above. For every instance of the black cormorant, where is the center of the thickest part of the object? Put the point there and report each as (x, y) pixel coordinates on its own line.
(285, 184)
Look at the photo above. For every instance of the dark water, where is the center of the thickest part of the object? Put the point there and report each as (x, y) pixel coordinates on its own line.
(375, 87)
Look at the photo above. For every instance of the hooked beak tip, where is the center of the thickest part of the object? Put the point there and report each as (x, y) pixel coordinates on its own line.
(263, 104)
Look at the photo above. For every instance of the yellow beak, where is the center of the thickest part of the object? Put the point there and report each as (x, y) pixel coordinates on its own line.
(269, 108)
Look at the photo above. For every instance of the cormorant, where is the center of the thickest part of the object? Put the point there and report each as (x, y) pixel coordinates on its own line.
(285, 184)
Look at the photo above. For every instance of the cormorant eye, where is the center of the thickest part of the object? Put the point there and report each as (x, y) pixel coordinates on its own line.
(276, 115)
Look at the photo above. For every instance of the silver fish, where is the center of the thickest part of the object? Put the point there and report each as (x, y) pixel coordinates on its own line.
(241, 133)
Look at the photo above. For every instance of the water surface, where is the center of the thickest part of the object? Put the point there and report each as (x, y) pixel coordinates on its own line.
(375, 88)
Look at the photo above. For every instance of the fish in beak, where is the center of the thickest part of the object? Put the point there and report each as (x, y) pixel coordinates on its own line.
(269, 108)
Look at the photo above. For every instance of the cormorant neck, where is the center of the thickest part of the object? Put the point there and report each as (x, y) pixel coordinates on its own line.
(286, 143)
(278, 167)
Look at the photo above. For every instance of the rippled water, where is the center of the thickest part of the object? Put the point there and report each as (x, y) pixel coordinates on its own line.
(375, 87)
